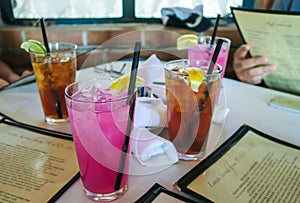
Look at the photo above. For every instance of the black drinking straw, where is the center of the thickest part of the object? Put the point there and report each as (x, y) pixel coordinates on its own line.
(213, 62)
(213, 37)
(42, 21)
(54, 93)
(131, 87)
(215, 56)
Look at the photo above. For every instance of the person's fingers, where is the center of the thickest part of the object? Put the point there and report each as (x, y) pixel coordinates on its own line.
(251, 70)
(255, 75)
(250, 62)
(3, 83)
(241, 52)
(26, 73)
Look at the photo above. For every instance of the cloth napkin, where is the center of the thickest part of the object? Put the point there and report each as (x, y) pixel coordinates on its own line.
(150, 112)
(152, 150)
(152, 69)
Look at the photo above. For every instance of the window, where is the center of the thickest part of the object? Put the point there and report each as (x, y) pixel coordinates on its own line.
(103, 11)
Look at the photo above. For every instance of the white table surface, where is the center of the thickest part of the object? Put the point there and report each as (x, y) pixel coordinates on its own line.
(247, 104)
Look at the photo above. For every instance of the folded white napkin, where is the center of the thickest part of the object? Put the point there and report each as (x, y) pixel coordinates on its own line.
(152, 70)
(152, 150)
(150, 112)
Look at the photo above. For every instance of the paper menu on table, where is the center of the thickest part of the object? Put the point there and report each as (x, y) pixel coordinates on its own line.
(37, 165)
(244, 177)
(250, 166)
(277, 36)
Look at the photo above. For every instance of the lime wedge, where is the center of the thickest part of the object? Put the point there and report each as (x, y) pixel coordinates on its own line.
(121, 84)
(33, 46)
(186, 41)
(196, 78)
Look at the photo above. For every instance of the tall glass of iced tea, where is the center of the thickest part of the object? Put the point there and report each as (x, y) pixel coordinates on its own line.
(54, 71)
(191, 95)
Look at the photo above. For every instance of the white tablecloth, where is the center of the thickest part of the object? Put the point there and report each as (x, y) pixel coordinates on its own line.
(247, 103)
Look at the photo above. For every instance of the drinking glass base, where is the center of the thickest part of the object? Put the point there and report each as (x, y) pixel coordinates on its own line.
(190, 157)
(106, 197)
(56, 121)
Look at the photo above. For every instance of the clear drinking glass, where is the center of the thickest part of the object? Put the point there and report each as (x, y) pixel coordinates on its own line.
(205, 50)
(53, 72)
(190, 106)
(99, 119)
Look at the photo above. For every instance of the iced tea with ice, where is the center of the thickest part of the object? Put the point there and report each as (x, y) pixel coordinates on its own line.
(190, 105)
(54, 71)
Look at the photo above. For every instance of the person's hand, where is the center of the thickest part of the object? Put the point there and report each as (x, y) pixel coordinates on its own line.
(250, 70)
(3, 83)
(26, 73)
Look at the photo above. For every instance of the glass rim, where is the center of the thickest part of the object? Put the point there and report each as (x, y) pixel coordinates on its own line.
(72, 45)
(227, 40)
(69, 46)
(112, 100)
(186, 62)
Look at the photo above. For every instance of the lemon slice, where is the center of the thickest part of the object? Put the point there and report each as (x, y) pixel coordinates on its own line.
(33, 46)
(186, 41)
(121, 84)
(196, 78)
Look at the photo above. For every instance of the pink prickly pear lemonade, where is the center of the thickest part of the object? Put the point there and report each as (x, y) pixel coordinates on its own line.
(98, 119)
(204, 51)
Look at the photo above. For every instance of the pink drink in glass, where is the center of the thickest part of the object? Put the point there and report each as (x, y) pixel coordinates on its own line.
(98, 126)
(204, 51)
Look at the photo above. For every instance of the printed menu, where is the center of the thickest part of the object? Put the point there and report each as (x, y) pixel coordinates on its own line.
(36, 165)
(276, 35)
(250, 167)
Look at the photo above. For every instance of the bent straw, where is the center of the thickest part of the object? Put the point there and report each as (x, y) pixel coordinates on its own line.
(54, 93)
(213, 37)
(130, 116)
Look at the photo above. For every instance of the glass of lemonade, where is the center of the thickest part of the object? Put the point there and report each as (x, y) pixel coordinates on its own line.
(190, 96)
(53, 72)
(98, 119)
(205, 50)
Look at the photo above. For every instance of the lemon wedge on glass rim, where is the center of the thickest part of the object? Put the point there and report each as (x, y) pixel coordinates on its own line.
(196, 77)
(121, 84)
(33, 46)
(186, 41)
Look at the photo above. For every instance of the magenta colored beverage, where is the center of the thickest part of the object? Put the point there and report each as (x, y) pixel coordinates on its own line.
(98, 120)
(204, 51)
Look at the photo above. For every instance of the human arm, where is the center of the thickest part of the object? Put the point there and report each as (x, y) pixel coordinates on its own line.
(7, 74)
(251, 70)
